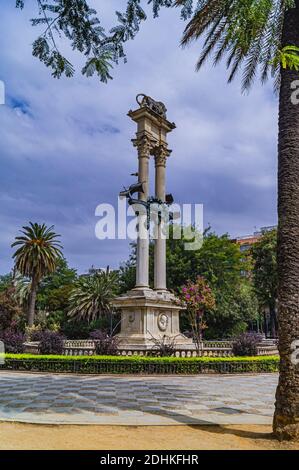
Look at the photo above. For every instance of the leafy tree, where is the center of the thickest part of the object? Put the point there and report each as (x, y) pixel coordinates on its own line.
(237, 311)
(198, 298)
(221, 264)
(249, 31)
(179, 266)
(55, 289)
(127, 272)
(248, 304)
(264, 254)
(219, 261)
(92, 295)
(22, 287)
(37, 256)
(5, 282)
(10, 311)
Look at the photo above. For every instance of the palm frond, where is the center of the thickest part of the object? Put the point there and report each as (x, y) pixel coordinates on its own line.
(92, 295)
(249, 31)
(39, 251)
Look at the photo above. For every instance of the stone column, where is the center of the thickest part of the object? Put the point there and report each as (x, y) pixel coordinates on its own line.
(161, 153)
(143, 144)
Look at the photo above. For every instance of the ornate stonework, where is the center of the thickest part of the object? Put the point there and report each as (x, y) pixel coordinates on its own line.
(144, 145)
(163, 321)
(161, 153)
(157, 107)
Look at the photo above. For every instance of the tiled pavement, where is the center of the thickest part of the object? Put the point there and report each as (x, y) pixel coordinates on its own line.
(150, 400)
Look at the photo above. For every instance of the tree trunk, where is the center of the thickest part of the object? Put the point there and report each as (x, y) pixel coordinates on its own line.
(265, 325)
(273, 327)
(286, 418)
(32, 302)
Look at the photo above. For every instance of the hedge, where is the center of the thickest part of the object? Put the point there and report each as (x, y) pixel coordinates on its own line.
(139, 364)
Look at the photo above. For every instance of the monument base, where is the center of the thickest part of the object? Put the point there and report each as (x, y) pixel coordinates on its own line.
(147, 317)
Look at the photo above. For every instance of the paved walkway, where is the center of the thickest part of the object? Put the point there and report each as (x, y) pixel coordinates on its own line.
(120, 400)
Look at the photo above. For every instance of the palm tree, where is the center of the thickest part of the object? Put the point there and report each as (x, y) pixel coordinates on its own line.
(22, 287)
(263, 35)
(92, 295)
(36, 257)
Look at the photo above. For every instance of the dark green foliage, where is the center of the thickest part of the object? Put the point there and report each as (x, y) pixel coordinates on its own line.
(247, 32)
(13, 340)
(105, 344)
(236, 309)
(246, 344)
(73, 329)
(139, 365)
(265, 276)
(92, 295)
(54, 294)
(50, 342)
(264, 255)
(10, 312)
(5, 282)
(55, 289)
(79, 24)
(219, 261)
(127, 272)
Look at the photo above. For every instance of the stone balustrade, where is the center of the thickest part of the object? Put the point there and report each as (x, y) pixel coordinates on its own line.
(223, 352)
(217, 344)
(79, 347)
(79, 343)
(208, 349)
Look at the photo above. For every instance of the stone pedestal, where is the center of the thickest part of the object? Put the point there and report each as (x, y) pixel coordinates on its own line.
(148, 314)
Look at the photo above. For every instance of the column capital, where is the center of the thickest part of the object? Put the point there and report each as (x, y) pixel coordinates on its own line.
(144, 145)
(161, 153)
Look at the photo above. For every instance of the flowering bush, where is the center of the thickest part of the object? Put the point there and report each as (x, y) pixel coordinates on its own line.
(10, 312)
(50, 342)
(246, 344)
(13, 341)
(198, 297)
(105, 344)
(33, 333)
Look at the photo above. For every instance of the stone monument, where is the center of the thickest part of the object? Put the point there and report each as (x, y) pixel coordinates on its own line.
(150, 313)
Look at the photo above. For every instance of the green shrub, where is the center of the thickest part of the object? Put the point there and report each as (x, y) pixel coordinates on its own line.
(139, 364)
(246, 344)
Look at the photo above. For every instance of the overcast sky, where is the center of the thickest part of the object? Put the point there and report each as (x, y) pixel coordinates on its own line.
(65, 144)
